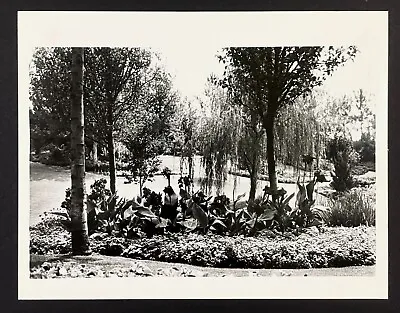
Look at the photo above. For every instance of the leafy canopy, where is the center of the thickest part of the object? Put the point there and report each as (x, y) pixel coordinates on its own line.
(274, 76)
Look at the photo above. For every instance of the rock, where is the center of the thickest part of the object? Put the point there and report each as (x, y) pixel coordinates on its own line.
(62, 271)
(100, 273)
(91, 274)
(74, 273)
(46, 266)
(52, 272)
(146, 270)
(98, 236)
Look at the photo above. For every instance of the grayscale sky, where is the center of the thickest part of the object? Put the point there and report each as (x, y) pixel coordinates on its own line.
(191, 66)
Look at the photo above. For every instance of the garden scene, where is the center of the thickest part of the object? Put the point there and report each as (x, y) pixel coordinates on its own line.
(263, 173)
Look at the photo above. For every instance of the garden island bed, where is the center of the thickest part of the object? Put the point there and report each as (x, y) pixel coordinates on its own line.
(313, 248)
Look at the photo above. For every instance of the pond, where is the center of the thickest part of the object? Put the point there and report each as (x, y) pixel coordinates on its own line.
(48, 185)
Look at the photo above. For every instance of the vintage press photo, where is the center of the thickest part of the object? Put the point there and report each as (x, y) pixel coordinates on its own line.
(202, 155)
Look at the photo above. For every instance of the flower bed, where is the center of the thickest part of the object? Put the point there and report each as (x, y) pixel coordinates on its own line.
(331, 247)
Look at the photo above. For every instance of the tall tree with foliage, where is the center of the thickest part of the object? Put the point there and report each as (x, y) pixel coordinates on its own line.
(251, 149)
(79, 227)
(50, 95)
(230, 134)
(114, 78)
(275, 77)
(146, 134)
(364, 116)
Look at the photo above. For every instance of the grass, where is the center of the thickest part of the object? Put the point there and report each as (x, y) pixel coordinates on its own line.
(353, 208)
(48, 185)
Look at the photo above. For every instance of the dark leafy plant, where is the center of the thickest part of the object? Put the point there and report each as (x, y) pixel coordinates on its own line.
(306, 214)
(340, 151)
(366, 148)
(125, 218)
(153, 200)
(278, 208)
(166, 172)
(185, 182)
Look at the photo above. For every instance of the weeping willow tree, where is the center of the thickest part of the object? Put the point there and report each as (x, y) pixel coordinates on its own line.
(299, 133)
(185, 131)
(218, 138)
(232, 139)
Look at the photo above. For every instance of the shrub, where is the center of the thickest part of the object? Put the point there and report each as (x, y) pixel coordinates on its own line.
(341, 153)
(54, 155)
(352, 209)
(366, 148)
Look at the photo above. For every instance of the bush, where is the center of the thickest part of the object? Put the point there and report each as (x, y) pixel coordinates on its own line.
(54, 155)
(341, 153)
(366, 148)
(335, 247)
(352, 209)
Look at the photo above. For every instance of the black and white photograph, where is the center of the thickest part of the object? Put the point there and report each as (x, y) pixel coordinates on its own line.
(202, 155)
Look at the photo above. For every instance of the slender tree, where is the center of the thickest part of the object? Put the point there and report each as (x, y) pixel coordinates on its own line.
(79, 228)
(115, 79)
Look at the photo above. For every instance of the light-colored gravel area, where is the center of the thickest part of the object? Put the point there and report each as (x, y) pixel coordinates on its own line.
(95, 265)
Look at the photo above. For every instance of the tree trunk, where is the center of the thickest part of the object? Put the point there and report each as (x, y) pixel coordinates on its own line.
(254, 173)
(94, 150)
(140, 187)
(269, 128)
(79, 228)
(253, 187)
(111, 158)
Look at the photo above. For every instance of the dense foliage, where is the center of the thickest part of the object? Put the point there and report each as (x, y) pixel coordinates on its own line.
(353, 208)
(333, 247)
(123, 87)
(150, 215)
(341, 153)
(266, 79)
(365, 148)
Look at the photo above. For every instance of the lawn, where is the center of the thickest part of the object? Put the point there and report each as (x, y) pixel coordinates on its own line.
(48, 185)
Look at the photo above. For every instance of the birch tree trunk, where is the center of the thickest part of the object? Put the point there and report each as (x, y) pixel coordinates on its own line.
(79, 228)
(95, 158)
